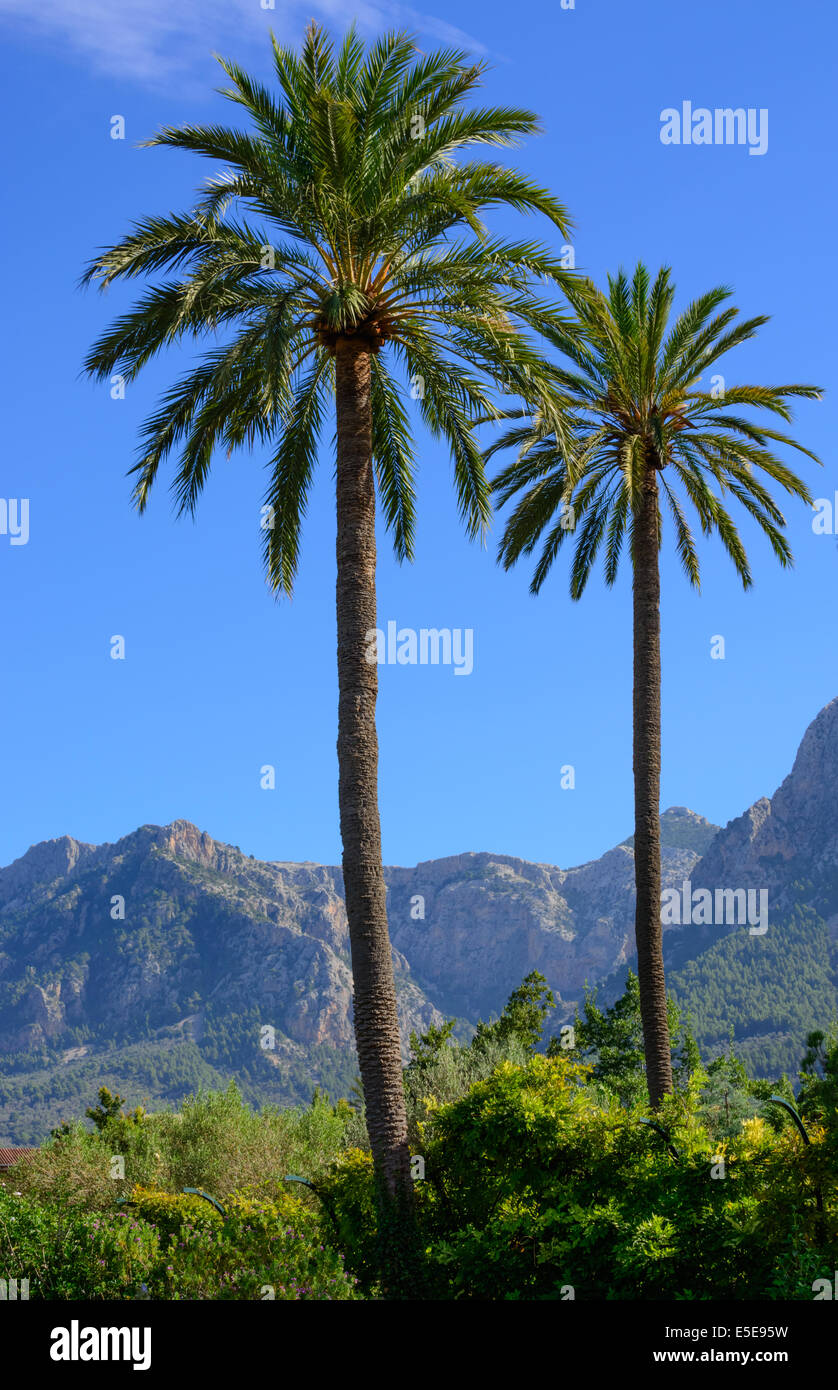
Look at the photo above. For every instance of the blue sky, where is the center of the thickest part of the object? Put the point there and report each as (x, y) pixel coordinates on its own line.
(219, 679)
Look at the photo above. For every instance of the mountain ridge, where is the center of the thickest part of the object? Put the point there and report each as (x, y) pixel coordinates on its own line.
(166, 955)
(184, 949)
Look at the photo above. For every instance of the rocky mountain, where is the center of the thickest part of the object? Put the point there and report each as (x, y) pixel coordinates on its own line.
(168, 959)
(788, 845)
(774, 986)
(489, 919)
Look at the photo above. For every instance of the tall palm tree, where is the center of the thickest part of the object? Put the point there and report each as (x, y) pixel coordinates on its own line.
(640, 432)
(384, 282)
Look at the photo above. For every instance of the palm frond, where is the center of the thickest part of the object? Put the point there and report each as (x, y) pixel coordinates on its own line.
(630, 407)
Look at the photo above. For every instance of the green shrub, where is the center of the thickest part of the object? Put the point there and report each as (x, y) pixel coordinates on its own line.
(349, 1190)
(169, 1212)
(540, 1186)
(544, 1178)
(261, 1249)
(216, 1142)
(72, 1170)
(543, 1188)
(71, 1254)
(172, 1246)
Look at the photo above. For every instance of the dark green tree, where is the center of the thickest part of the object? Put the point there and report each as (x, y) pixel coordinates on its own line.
(611, 1042)
(109, 1107)
(523, 1017)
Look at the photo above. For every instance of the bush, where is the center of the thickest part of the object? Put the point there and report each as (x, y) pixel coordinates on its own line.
(261, 1249)
(72, 1170)
(441, 1071)
(544, 1189)
(169, 1212)
(71, 1254)
(544, 1178)
(171, 1246)
(349, 1190)
(540, 1186)
(216, 1142)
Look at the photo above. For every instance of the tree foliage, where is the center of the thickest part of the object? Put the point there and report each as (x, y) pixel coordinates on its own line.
(637, 394)
(352, 206)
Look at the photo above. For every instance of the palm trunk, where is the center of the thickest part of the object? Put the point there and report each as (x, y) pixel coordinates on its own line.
(647, 770)
(376, 1018)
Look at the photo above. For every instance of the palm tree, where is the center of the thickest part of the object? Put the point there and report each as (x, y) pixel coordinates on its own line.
(638, 430)
(384, 275)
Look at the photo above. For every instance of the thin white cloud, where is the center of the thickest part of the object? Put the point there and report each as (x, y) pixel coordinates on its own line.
(156, 41)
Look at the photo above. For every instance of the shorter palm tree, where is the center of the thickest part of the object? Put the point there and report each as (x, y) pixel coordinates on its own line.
(633, 432)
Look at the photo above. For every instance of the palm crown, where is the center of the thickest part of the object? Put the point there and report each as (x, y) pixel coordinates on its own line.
(629, 402)
(354, 164)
